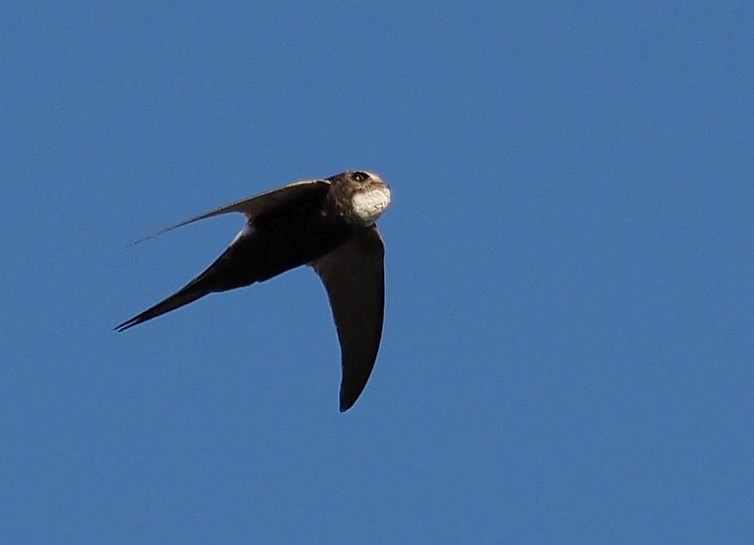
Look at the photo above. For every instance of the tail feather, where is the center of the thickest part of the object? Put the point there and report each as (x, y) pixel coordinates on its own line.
(184, 296)
(241, 264)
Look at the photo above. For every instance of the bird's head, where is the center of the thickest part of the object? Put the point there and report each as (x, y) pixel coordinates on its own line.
(361, 194)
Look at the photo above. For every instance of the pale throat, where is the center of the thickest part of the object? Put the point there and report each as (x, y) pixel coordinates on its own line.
(369, 205)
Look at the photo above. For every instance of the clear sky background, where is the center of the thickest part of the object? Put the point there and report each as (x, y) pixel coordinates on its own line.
(568, 345)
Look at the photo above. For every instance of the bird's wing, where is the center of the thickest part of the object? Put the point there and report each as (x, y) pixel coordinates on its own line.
(258, 204)
(354, 278)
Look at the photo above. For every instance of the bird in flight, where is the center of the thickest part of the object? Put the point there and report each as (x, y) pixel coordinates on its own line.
(328, 224)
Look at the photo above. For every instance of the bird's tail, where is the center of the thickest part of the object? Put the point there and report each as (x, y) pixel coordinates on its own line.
(191, 292)
(233, 269)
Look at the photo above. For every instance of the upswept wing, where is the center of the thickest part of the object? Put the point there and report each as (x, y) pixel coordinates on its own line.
(354, 278)
(258, 204)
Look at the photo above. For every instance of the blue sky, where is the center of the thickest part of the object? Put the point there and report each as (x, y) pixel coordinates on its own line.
(567, 353)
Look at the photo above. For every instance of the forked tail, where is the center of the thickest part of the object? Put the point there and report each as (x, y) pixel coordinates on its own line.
(194, 290)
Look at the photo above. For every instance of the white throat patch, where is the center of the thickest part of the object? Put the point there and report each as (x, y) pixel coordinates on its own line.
(369, 205)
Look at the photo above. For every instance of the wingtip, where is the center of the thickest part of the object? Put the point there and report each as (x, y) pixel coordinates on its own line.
(346, 403)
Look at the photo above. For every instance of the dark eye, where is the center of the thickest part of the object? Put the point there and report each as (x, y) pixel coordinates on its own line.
(359, 176)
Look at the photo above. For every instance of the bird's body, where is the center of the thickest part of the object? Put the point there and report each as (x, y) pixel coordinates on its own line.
(328, 224)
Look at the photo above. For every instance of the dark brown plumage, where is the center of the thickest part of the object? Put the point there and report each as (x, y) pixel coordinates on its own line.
(328, 224)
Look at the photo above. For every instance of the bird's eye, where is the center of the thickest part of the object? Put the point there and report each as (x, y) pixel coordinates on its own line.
(359, 176)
